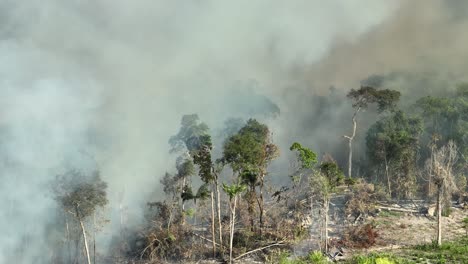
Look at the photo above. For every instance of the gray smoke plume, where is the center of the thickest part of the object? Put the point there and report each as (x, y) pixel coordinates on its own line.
(103, 84)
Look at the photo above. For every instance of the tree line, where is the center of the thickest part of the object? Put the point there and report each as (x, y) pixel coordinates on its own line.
(416, 150)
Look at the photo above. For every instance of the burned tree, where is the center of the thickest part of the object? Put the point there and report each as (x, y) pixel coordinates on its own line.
(441, 165)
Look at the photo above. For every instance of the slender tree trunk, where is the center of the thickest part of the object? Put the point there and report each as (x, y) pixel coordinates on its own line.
(429, 187)
(251, 205)
(218, 208)
(232, 225)
(213, 220)
(350, 143)
(169, 221)
(321, 224)
(326, 207)
(68, 239)
(83, 231)
(121, 218)
(94, 237)
(311, 214)
(439, 215)
(261, 205)
(388, 177)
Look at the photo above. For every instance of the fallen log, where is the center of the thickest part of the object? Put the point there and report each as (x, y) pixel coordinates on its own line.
(403, 210)
(258, 249)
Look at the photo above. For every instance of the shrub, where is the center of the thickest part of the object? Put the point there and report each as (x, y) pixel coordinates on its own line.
(317, 257)
(465, 225)
(372, 259)
(361, 200)
(363, 236)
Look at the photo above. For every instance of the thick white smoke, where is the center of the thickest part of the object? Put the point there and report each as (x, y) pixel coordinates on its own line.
(104, 83)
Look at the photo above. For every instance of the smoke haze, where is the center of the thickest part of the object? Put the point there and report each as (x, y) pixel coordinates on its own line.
(103, 84)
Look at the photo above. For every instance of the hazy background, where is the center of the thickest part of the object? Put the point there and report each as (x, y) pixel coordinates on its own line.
(104, 83)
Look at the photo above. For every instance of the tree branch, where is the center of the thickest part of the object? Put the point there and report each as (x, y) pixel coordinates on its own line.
(258, 249)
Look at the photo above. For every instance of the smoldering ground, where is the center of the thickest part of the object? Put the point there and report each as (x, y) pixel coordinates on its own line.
(89, 84)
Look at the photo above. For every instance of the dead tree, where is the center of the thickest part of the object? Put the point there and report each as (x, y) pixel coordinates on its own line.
(441, 164)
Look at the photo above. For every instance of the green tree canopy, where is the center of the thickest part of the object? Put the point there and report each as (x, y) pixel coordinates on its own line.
(307, 157)
(80, 194)
(394, 141)
(250, 148)
(191, 128)
(384, 99)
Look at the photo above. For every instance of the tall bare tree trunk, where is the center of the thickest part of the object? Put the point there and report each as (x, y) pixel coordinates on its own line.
(213, 220)
(388, 177)
(183, 203)
(83, 231)
(350, 143)
(429, 187)
(311, 214)
(218, 208)
(326, 207)
(232, 225)
(439, 215)
(68, 239)
(260, 204)
(94, 237)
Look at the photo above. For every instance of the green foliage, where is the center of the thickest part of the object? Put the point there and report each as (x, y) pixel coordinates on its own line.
(202, 158)
(349, 181)
(436, 112)
(189, 134)
(449, 252)
(233, 190)
(187, 193)
(284, 257)
(391, 214)
(250, 147)
(203, 192)
(446, 118)
(385, 99)
(377, 259)
(317, 257)
(394, 140)
(249, 177)
(332, 172)
(185, 168)
(431, 106)
(307, 157)
(190, 212)
(80, 194)
(446, 211)
(248, 153)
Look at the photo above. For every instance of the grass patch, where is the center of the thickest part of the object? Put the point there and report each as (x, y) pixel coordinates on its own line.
(284, 257)
(449, 252)
(390, 214)
(380, 258)
(383, 222)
